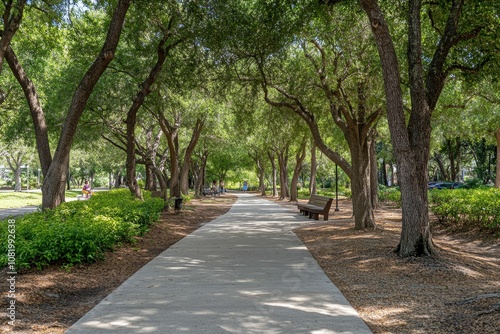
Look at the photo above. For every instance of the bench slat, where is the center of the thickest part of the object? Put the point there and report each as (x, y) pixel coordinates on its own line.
(315, 206)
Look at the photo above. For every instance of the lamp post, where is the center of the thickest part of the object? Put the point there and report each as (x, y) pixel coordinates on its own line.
(336, 188)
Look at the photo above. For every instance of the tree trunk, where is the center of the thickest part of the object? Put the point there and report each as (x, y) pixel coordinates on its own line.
(12, 17)
(171, 133)
(299, 159)
(497, 178)
(262, 182)
(55, 180)
(200, 177)
(411, 145)
(15, 166)
(442, 169)
(186, 165)
(274, 173)
(373, 173)
(313, 190)
(150, 178)
(283, 170)
(37, 115)
(131, 164)
(132, 115)
(260, 171)
(361, 185)
(383, 168)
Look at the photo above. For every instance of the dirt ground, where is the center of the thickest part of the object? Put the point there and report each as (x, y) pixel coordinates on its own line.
(457, 291)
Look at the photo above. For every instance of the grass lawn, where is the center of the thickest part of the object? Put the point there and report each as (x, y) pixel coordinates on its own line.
(9, 200)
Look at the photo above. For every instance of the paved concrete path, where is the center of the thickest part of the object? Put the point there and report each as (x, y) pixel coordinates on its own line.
(6, 213)
(245, 272)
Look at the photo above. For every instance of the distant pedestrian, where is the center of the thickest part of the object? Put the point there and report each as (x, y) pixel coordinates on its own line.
(87, 190)
(214, 188)
(245, 186)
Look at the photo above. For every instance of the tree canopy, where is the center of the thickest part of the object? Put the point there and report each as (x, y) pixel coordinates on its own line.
(174, 94)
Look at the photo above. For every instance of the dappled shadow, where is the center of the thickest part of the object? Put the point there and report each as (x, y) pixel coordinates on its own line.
(245, 272)
(413, 295)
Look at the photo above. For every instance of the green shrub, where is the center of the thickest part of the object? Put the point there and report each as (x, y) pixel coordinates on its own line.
(389, 194)
(473, 207)
(80, 231)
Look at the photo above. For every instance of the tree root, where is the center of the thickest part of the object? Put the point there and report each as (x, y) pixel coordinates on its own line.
(493, 308)
(478, 297)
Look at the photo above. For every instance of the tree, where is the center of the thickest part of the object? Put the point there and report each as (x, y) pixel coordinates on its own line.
(55, 167)
(353, 112)
(411, 139)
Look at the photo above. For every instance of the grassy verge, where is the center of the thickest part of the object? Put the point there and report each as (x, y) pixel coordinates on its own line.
(10, 200)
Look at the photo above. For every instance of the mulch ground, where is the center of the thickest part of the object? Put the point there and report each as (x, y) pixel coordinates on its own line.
(456, 291)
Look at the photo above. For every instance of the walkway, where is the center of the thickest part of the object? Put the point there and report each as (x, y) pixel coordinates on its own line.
(6, 213)
(245, 272)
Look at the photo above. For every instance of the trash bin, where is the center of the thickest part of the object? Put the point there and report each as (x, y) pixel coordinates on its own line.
(178, 203)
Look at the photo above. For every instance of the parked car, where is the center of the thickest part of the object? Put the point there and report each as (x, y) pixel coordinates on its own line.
(440, 185)
(457, 185)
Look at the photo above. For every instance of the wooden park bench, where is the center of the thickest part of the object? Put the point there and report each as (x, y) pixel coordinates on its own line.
(317, 205)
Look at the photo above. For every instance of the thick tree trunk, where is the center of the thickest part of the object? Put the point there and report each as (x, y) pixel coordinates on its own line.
(411, 145)
(131, 164)
(171, 133)
(361, 186)
(150, 178)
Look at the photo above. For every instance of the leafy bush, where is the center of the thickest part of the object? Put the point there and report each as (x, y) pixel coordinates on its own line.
(475, 207)
(80, 231)
(389, 194)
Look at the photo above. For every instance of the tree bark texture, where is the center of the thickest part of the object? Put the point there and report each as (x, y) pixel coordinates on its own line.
(171, 133)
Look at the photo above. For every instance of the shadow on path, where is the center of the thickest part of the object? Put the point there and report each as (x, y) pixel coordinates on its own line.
(244, 272)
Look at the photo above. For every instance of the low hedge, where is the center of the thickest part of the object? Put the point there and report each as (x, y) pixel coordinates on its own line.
(79, 231)
(477, 207)
(461, 207)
